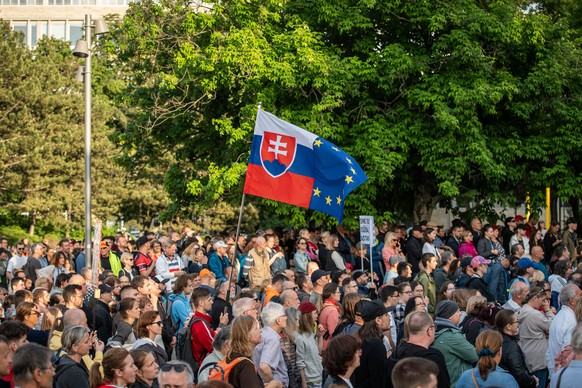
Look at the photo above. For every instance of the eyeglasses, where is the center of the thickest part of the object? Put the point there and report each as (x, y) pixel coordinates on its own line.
(52, 367)
(302, 243)
(159, 323)
(514, 322)
(177, 367)
(548, 290)
(35, 312)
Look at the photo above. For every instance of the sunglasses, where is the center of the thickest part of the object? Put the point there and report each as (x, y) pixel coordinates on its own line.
(159, 323)
(177, 367)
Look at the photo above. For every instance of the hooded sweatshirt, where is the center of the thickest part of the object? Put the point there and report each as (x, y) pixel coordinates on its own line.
(71, 374)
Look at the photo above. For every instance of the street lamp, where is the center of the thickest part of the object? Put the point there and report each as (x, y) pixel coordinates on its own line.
(83, 50)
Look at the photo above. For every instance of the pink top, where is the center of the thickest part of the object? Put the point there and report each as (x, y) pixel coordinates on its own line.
(329, 317)
(467, 248)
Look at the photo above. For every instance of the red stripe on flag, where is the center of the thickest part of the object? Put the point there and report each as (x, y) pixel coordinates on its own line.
(290, 188)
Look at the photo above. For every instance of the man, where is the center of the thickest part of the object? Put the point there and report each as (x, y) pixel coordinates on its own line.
(273, 290)
(530, 225)
(415, 372)
(17, 261)
(144, 263)
(414, 248)
(533, 326)
(373, 361)
(518, 291)
(524, 270)
(267, 355)
(563, 325)
(143, 285)
(176, 374)
(4, 245)
(108, 259)
(33, 264)
(220, 304)
(218, 260)
(429, 264)
(459, 354)
(260, 262)
(476, 227)
(17, 284)
(205, 277)
(241, 245)
(569, 236)
(102, 320)
(421, 331)
(319, 279)
(454, 239)
(32, 367)
(366, 288)
(480, 267)
(349, 285)
(571, 375)
(537, 256)
(389, 295)
(122, 246)
(245, 306)
(440, 274)
(169, 265)
(73, 296)
(15, 333)
(404, 270)
(508, 232)
(289, 298)
(497, 279)
(202, 333)
(305, 287)
(520, 238)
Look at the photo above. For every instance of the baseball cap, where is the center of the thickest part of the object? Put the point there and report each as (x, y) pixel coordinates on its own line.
(105, 289)
(432, 224)
(374, 309)
(525, 262)
(519, 218)
(509, 219)
(357, 274)
(478, 260)
(220, 244)
(103, 245)
(318, 274)
(142, 241)
(466, 261)
(205, 273)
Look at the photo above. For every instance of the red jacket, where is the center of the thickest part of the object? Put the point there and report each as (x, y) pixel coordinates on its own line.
(202, 336)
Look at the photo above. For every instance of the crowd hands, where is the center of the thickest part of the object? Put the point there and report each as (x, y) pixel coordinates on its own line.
(475, 305)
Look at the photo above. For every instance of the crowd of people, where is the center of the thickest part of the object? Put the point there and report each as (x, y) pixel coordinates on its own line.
(472, 306)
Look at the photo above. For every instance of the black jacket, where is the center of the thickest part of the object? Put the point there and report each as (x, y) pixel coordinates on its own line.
(102, 320)
(372, 370)
(513, 361)
(477, 283)
(411, 350)
(71, 374)
(414, 253)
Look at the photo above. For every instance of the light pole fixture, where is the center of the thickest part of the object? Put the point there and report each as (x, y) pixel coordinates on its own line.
(83, 50)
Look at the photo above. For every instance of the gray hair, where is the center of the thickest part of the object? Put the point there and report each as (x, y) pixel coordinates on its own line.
(287, 294)
(37, 246)
(271, 312)
(72, 336)
(568, 292)
(221, 338)
(577, 338)
(176, 362)
(517, 288)
(27, 359)
(241, 305)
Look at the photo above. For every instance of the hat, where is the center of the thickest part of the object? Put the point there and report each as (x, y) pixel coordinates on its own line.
(571, 220)
(432, 225)
(220, 244)
(394, 260)
(350, 266)
(205, 273)
(357, 274)
(374, 309)
(318, 274)
(105, 289)
(142, 241)
(306, 307)
(519, 218)
(478, 260)
(417, 228)
(446, 308)
(423, 223)
(103, 245)
(525, 262)
(466, 261)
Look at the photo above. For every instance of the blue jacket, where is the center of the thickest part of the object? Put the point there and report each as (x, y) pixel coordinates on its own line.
(497, 280)
(217, 265)
(180, 309)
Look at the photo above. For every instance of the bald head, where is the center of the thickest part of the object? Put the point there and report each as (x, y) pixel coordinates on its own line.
(289, 298)
(74, 317)
(537, 253)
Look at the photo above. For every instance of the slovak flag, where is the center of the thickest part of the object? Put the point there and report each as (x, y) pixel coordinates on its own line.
(289, 164)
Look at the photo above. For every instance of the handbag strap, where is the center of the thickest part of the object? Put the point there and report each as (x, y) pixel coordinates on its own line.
(560, 377)
(475, 380)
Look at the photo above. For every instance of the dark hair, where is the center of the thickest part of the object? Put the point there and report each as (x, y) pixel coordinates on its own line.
(70, 291)
(413, 372)
(198, 294)
(15, 280)
(139, 357)
(370, 331)
(425, 234)
(411, 304)
(504, 318)
(301, 279)
(23, 310)
(145, 319)
(401, 267)
(278, 278)
(328, 290)
(442, 294)
(340, 351)
(13, 330)
(27, 359)
(139, 281)
(125, 305)
(561, 267)
(112, 359)
(181, 284)
(386, 292)
(61, 278)
(426, 258)
(54, 300)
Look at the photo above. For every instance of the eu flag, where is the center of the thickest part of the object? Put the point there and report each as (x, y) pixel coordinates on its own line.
(289, 164)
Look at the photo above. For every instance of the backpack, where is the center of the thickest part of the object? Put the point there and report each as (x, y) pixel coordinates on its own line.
(169, 327)
(184, 347)
(222, 370)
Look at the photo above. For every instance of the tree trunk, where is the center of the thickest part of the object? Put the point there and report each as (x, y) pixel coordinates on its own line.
(32, 225)
(424, 204)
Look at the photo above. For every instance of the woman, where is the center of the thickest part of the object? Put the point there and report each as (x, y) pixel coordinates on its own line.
(330, 313)
(301, 258)
(29, 314)
(536, 239)
(340, 359)
(119, 370)
(180, 306)
(487, 373)
(479, 313)
(245, 335)
(71, 371)
(551, 240)
(147, 368)
(391, 248)
(418, 290)
(334, 262)
(446, 291)
(428, 237)
(125, 335)
(512, 358)
(404, 294)
(49, 317)
(198, 262)
(128, 269)
(415, 303)
(349, 322)
(467, 247)
(486, 246)
(308, 347)
(149, 326)
(497, 243)
(156, 250)
(59, 260)
(311, 245)
(562, 271)
(289, 347)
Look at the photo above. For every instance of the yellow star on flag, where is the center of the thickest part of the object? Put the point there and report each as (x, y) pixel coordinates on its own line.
(349, 179)
(316, 192)
(353, 171)
(348, 159)
(339, 200)
(328, 200)
(318, 142)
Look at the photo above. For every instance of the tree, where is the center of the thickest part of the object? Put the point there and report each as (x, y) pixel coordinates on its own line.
(434, 99)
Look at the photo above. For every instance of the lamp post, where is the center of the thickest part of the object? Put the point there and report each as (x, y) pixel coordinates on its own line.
(83, 50)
